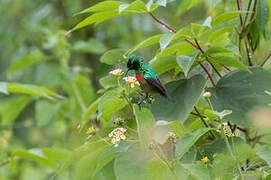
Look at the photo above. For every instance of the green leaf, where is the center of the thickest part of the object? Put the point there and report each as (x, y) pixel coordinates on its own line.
(109, 81)
(226, 17)
(185, 62)
(215, 50)
(145, 124)
(264, 153)
(110, 103)
(131, 165)
(85, 161)
(262, 14)
(57, 155)
(89, 112)
(136, 7)
(28, 89)
(163, 64)
(114, 56)
(165, 40)
(26, 61)
(90, 46)
(269, 5)
(103, 6)
(35, 155)
(220, 37)
(45, 111)
(185, 92)
(186, 5)
(241, 91)
(182, 48)
(147, 42)
(157, 170)
(10, 108)
(111, 153)
(182, 34)
(228, 61)
(178, 128)
(198, 170)
(96, 18)
(188, 140)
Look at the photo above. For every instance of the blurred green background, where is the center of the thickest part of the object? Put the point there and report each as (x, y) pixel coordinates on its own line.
(35, 49)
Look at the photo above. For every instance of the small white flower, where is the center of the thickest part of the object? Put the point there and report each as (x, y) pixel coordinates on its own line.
(207, 94)
(132, 81)
(123, 137)
(117, 135)
(117, 72)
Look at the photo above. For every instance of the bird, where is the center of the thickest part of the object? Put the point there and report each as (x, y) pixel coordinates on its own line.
(147, 78)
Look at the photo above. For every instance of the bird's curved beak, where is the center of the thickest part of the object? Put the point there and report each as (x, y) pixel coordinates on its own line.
(127, 72)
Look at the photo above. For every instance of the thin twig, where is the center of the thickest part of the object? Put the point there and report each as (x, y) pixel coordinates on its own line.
(202, 51)
(248, 8)
(163, 24)
(226, 68)
(203, 121)
(209, 75)
(248, 53)
(265, 60)
(239, 8)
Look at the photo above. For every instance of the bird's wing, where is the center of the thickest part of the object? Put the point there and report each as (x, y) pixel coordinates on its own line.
(157, 85)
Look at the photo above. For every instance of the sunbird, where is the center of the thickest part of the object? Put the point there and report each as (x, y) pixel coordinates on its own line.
(149, 81)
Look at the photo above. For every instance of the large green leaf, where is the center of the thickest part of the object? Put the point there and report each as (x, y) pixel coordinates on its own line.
(7, 88)
(241, 91)
(103, 6)
(45, 111)
(109, 81)
(157, 170)
(25, 61)
(147, 42)
(35, 155)
(145, 124)
(110, 103)
(136, 7)
(110, 154)
(226, 17)
(96, 18)
(185, 62)
(164, 64)
(228, 61)
(165, 40)
(198, 170)
(113, 56)
(264, 153)
(262, 14)
(131, 165)
(185, 92)
(11, 107)
(188, 140)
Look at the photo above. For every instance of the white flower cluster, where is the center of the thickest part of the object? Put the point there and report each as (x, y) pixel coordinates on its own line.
(132, 81)
(116, 135)
(117, 72)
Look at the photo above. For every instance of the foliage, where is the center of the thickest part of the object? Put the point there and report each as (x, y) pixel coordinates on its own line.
(67, 112)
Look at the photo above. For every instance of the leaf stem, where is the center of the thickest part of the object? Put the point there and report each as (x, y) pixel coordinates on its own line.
(163, 24)
(203, 121)
(202, 51)
(239, 2)
(209, 75)
(265, 60)
(248, 53)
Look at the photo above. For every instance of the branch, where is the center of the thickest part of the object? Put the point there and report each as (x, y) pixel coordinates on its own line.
(248, 53)
(209, 75)
(202, 51)
(203, 121)
(239, 6)
(265, 60)
(163, 24)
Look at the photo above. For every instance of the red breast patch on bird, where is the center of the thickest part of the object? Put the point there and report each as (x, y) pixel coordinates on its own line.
(139, 76)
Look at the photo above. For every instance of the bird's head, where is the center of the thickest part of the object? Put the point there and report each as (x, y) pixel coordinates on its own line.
(134, 63)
